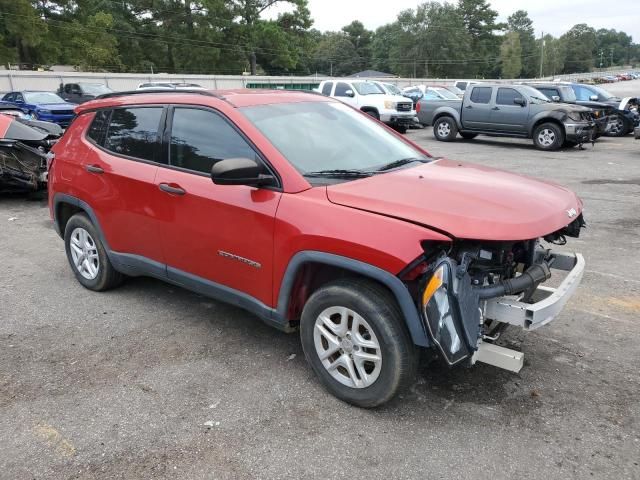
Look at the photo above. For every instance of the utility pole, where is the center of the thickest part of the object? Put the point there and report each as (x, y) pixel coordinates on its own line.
(611, 64)
(601, 53)
(331, 69)
(541, 52)
(415, 69)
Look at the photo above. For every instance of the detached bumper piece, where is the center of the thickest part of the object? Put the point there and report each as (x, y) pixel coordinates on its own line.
(547, 302)
(402, 120)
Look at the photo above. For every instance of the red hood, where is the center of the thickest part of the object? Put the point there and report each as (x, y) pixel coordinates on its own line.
(465, 200)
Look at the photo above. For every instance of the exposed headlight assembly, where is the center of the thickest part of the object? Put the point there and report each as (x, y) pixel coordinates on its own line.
(389, 105)
(451, 311)
(575, 116)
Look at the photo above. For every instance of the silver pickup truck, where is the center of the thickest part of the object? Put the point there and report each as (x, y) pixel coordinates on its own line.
(509, 111)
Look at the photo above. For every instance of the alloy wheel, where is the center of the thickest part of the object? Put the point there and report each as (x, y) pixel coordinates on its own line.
(347, 347)
(84, 253)
(444, 129)
(546, 137)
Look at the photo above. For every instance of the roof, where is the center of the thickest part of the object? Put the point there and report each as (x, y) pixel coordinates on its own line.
(236, 98)
(372, 74)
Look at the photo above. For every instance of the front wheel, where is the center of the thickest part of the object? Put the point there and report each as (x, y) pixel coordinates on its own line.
(354, 338)
(617, 127)
(548, 136)
(445, 129)
(400, 129)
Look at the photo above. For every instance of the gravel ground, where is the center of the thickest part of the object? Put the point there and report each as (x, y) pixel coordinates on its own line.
(151, 381)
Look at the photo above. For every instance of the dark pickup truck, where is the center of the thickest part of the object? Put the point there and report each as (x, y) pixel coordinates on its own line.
(82, 92)
(509, 111)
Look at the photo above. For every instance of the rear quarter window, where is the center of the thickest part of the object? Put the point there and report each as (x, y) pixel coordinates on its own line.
(98, 126)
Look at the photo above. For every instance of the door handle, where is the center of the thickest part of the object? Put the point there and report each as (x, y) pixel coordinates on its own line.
(495, 108)
(468, 106)
(94, 169)
(165, 187)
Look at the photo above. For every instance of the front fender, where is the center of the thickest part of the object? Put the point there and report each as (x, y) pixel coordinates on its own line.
(557, 115)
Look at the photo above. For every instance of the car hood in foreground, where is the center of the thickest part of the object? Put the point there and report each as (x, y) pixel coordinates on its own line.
(465, 201)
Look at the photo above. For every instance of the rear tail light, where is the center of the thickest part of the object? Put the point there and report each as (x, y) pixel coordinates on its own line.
(418, 107)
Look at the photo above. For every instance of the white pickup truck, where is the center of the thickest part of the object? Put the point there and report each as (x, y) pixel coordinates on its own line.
(394, 110)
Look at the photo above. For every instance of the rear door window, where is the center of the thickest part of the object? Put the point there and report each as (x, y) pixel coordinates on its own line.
(134, 132)
(481, 94)
(200, 138)
(326, 88)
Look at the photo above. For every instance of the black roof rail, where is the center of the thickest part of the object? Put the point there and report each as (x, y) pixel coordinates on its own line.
(157, 90)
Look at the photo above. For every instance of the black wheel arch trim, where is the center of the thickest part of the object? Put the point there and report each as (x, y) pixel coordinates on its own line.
(135, 265)
(393, 283)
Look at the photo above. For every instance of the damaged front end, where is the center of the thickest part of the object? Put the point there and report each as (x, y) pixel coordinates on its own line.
(473, 290)
(24, 145)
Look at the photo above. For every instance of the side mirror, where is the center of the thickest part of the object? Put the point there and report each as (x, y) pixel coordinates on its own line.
(349, 93)
(240, 171)
(593, 98)
(520, 101)
(555, 98)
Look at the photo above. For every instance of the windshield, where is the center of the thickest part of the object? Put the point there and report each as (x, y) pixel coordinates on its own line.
(601, 92)
(317, 136)
(536, 96)
(444, 93)
(95, 88)
(392, 89)
(455, 90)
(367, 88)
(42, 97)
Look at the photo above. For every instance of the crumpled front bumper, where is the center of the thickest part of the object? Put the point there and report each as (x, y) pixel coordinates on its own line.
(582, 132)
(547, 302)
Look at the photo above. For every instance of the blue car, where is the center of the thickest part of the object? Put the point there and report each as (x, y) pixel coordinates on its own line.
(45, 106)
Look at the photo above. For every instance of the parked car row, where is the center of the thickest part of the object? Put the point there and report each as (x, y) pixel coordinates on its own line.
(621, 77)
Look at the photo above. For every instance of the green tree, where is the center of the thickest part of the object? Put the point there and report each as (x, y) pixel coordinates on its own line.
(612, 47)
(361, 39)
(336, 55)
(92, 46)
(554, 55)
(520, 23)
(21, 31)
(480, 22)
(579, 45)
(511, 55)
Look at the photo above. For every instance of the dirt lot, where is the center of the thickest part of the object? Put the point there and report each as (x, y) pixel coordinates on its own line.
(121, 384)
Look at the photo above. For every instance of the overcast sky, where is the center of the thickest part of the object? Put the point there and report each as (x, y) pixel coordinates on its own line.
(552, 16)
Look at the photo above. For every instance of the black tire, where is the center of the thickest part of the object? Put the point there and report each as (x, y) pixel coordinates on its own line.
(445, 129)
(378, 308)
(372, 113)
(400, 129)
(468, 136)
(107, 277)
(548, 136)
(619, 127)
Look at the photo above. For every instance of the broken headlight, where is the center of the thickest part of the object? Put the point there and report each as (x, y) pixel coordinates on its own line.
(451, 312)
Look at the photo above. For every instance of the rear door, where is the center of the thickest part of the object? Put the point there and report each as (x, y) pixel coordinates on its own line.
(476, 108)
(506, 115)
(217, 233)
(116, 174)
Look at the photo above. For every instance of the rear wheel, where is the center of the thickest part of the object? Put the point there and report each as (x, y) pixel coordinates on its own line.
(548, 136)
(445, 129)
(354, 338)
(87, 255)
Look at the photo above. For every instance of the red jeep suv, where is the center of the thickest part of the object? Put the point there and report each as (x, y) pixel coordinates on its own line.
(313, 216)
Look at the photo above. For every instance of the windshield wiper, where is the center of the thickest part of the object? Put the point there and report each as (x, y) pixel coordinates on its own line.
(401, 162)
(338, 173)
